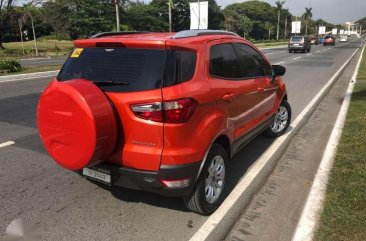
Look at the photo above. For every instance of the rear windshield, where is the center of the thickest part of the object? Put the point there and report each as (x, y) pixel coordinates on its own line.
(296, 39)
(328, 37)
(127, 70)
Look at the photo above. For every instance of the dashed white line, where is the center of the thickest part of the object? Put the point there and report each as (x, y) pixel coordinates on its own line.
(8, 143)
(317, 52)
(309, 54)
(296, 58)
(269, 53)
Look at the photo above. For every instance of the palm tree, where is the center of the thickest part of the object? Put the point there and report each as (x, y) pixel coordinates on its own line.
(279, 5)
(307, 15)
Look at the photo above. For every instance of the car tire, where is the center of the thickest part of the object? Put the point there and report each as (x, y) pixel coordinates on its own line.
(208, 193)
(281, 122)
(309, 50)
(290, 51)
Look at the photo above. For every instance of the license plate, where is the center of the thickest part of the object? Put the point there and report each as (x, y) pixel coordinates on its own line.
(98, 174)
(296, 44)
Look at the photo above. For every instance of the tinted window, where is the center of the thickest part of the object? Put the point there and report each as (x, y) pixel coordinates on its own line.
(180, 67)
(223, 62)
(251, 62)
(296, 39)
(139, 69)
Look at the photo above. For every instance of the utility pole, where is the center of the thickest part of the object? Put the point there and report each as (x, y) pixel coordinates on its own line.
(278, 24)
(286, 27)
(25, 16)
(117, 14)
(199, 14)
(170, 16)
(20, 23)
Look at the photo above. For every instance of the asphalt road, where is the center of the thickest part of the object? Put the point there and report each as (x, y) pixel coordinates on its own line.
(65, 206)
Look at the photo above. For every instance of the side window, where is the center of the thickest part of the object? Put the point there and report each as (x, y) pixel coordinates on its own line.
(224, 62)
(180, 67)
(252, 63)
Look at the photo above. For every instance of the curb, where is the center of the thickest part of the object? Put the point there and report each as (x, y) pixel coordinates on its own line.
(219, 224)
(314, 204)
(28, 76)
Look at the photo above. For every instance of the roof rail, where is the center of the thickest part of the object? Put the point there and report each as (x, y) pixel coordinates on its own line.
(106, 34)
(200, 32)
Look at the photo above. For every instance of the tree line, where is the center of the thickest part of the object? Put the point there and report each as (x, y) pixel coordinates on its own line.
(72, 19)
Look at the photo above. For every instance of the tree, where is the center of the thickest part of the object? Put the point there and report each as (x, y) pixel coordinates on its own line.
(259, 13)
(279, 5)
(5, 9)
(235, 22)
(307, 15)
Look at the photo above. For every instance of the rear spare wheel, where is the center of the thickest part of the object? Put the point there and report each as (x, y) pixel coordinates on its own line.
(76, 123)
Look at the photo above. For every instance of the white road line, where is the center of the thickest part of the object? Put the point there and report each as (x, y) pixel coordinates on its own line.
(309, 54)
(246, 182)
(297, 58)
(279, 63)
(269, 54)
(46, 76)
(317, 52)
(314, 203)
(328, 48)
(8, 143)
(31, 59)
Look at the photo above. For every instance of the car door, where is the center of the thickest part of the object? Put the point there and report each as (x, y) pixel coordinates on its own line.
(235, 93)
(255, 66)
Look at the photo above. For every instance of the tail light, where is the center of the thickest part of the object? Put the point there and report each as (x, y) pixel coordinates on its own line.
(172, 111)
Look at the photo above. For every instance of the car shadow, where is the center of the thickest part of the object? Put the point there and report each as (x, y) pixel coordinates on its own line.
(238, 166)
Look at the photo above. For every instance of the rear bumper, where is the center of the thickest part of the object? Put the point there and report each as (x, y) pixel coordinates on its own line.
(293, 47)
(151, 180)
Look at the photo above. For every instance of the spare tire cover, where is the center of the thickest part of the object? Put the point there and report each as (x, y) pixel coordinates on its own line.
(76, 123)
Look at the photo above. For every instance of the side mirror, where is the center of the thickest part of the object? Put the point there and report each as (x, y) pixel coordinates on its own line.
(278, 70)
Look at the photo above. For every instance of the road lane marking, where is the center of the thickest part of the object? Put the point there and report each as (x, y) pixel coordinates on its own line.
(317, 52)
(12, 80)
(250, 183)
(8, 143)
(315, 200)
(31, 59)
(297, 58)
(269, 53)
(309, 54)
(279, 63)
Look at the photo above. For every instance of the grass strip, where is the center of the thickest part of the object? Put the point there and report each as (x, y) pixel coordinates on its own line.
(344, 213)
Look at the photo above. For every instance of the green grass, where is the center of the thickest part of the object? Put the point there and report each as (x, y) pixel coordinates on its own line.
(362, 73)
(344, 214)
(35, 69)
(45, 47)
(271, 44)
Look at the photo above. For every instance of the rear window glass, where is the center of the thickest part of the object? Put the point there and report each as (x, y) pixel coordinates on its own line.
(128, 69)
(328, 37)
(296, 39)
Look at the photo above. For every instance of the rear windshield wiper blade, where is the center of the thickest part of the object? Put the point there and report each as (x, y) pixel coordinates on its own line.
(110, 82)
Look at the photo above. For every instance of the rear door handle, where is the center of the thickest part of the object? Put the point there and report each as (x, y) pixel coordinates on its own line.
(260, 90)
(228, 97)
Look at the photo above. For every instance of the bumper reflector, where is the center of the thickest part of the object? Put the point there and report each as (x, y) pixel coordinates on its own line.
(178, 183)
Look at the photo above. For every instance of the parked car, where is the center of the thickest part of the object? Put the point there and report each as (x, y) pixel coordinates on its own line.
(329, 40)
(301, 43)
(314, 40)
(162, 112)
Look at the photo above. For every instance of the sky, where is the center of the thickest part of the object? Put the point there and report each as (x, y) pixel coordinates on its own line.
(333, 11)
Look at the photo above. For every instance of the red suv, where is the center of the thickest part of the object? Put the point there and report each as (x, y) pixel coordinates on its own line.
(162, 112)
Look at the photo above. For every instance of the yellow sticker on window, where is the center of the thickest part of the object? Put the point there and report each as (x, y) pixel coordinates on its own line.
(76, 53)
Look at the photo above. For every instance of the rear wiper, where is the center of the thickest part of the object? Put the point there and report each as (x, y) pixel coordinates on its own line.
(110, 82)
